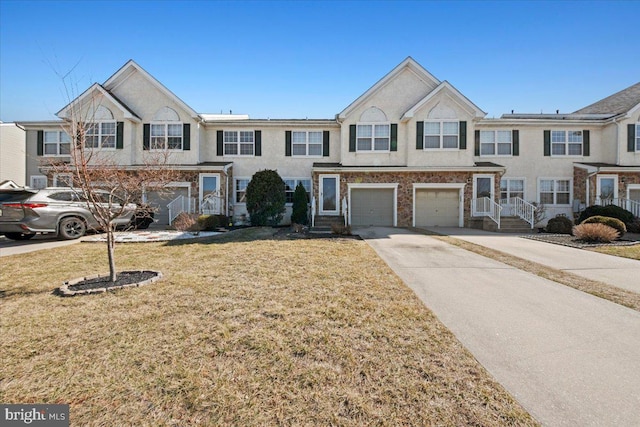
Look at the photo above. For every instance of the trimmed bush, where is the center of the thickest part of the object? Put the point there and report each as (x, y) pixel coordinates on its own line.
(211, 222)
(300, 209)
(595, 233)
(559, 225)
(633, 227)
(611, 222)
(610, 211)
(265, 198)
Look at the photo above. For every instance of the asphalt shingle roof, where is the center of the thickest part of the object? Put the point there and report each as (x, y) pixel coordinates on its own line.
(618, 103)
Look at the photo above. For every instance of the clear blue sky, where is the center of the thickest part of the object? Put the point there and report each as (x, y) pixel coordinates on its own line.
(312, 59)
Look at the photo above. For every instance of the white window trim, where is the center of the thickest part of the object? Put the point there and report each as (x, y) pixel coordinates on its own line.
(166, 136)
(235, 180)
(516, 178)
(57, 143)
(442, 135)
(58, 176)
(495, 143)
(554, 190)
(373, 137)
(307, 155)
(615, 185)
(566, 144)
(224, 143)
(456, 186)
(637, 137)
(100, 135)
(297, 181)
(34, 177)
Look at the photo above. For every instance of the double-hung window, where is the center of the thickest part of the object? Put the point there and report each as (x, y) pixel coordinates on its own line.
(306, 143)
(166, 136)
(238, 143)
(241, 189)
(637, 137)
(566, 143)
(511, 187)
(56, 143)
(100, 135)
(495, 143)
(555, 191)
(441, 135)
(373, 137)
(290, 188)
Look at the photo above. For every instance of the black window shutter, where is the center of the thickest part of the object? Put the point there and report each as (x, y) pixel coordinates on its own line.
(463, 135)
(476, 145)
(515, 140)
(631, 138)
(352, 138)
(394, 137)
(258, 150)
(119, 135)
(40, 143)
(419, 135)
(287, 143)
(219, 143)
(186, 136)
(547, 142)
(146, 129)
(325, 143)
(585, 143)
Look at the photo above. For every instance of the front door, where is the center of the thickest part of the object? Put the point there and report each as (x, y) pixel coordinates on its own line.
(329, 194)
(210, 200)
(483, 186)
(607, 189)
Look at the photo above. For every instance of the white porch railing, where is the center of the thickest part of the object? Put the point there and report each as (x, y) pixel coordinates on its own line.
(484, 206)
(211, 204)
(520, 208)
(313, 211)
(177, 206)
(628, 204)
(344, 211)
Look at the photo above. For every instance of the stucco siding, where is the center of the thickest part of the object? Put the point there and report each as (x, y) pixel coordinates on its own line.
(12, 153)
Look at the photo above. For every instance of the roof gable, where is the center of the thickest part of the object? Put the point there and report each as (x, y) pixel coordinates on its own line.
(408, 63)
(445, 86)
(619, 103)
(131, 67)
(88, 95)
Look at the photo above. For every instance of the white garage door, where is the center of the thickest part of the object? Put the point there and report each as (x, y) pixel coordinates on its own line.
(436, 207)
(372, 206)
(159, 201)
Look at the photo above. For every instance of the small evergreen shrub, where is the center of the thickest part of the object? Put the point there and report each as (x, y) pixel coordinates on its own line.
(610, 211)
(266, 198)
(611, 222)
(595, 233)
(211, 222)
(300, 210)
(633, 227)
(559, 225)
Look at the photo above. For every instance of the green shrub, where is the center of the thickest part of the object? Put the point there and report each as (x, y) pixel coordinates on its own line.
(634, 226)
(611, 222)
(265, 198)
(212, 222)
(559, 225)
(610, 211)
(595, 233)
(300, 210)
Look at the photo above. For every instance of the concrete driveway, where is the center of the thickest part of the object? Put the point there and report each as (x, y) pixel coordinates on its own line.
(12, 247)
(568, 357)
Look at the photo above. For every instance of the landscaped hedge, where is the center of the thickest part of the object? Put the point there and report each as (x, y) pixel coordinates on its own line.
(211, 222)
(611, 222)
(610, 211)
(559, 225)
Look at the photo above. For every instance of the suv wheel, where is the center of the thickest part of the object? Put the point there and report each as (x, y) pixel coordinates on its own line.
(19, 236)
(71, 228)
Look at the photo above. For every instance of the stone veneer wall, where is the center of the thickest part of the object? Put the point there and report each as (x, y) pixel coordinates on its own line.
(405, 181)
(579, 184)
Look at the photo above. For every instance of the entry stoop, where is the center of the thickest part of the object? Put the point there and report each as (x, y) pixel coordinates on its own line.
(508, 224)
(323, 223)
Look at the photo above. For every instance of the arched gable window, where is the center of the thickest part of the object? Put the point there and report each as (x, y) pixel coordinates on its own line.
(373, 131)
(167, 131)
(101, 130)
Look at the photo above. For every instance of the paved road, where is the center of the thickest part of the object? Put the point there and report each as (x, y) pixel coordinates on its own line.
(568, 357)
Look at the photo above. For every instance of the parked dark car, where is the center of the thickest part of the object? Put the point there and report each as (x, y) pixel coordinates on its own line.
(24, 212)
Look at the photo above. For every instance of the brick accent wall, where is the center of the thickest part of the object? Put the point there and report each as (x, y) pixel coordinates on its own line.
(405, 181)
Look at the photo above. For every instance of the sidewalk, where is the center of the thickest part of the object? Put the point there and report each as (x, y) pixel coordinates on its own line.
(616, 271)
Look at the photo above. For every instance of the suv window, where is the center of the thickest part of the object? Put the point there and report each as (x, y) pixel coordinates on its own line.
(64, 196)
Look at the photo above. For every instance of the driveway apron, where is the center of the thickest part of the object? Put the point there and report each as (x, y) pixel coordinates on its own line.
(568, 357)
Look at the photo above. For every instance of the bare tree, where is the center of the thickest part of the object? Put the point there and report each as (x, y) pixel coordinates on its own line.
(109, 188)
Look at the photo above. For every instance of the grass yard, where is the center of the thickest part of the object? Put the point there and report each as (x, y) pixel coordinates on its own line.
(246, 331)
(632, 252)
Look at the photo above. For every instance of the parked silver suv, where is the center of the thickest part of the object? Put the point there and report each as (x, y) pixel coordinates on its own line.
(64, 211)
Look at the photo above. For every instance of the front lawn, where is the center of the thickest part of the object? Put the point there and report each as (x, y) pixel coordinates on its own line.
(632, 252)
(247, 332)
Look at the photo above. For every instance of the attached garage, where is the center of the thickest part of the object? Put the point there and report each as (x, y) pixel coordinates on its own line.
(437, 207)
(372, 206)
(160, 199)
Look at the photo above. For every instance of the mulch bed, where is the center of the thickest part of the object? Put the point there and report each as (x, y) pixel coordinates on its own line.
(288, 233)
(98, 284)
(573, 242)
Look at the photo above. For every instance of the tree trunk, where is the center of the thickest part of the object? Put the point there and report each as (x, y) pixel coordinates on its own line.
(111, 241)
